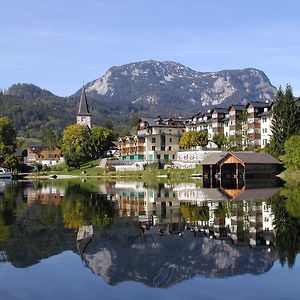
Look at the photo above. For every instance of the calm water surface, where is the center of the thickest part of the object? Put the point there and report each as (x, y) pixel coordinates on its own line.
(149, 241)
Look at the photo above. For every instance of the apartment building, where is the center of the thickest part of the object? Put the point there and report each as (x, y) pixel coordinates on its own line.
(244, 125)
(252, 129)
(156, 139)
(265, 127)
(234, 123)
(131, 148)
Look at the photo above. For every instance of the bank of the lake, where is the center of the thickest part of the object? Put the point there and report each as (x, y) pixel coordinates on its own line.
(92, 171)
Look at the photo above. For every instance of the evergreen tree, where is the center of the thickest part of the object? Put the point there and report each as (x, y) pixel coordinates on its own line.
(285, 120)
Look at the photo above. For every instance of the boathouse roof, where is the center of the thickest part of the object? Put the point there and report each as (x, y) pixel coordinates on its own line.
(244, 157)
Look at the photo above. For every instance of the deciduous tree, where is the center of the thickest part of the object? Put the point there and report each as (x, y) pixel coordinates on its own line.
(193, 139)
(7, 137)
(99, 141)
(75, 145)
(219, 139)
(291, 157)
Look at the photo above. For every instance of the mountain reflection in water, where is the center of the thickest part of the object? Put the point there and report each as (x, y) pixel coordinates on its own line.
(157, 234)
(163, 260)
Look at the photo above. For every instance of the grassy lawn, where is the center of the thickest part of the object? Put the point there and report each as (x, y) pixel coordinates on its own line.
(90, 169)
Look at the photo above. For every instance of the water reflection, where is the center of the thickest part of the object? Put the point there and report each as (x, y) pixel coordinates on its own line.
(158, 234)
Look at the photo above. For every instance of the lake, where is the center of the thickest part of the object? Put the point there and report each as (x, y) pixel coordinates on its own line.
(155, 240)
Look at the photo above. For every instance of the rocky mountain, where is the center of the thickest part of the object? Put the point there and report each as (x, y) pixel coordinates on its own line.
(147, 88)
(153, 86)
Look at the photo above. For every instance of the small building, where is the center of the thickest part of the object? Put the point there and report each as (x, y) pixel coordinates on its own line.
(240, 165)
(41, 153)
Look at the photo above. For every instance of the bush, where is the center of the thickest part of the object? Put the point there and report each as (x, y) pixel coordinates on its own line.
(291, 157)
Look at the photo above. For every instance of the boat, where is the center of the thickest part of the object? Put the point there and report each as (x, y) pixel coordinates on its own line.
(4, 173)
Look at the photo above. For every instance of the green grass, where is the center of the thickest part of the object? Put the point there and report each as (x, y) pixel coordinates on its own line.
(90, 169)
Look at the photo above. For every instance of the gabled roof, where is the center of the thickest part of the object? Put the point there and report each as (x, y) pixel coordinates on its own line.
(37, 144)
(256, 194)
(245, 157)
(257, 104)
(236, 107)
(213, 158)
(255, 158)
(219, 110)
(153, 122)
(266, 113)
(83, 109)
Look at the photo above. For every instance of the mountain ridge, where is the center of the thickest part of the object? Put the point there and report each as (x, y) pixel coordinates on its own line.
(151, 83)
(147, 88)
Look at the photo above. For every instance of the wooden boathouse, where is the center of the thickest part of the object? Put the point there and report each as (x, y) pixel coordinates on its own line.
(240, 165)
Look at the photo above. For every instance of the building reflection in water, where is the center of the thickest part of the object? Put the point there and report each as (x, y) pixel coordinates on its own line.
(158, 234)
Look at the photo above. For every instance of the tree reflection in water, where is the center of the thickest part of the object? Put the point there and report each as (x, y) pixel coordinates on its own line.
(40, 221)
(285, 206)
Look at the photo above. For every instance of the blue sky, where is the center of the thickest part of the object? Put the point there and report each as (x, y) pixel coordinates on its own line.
(58, 44)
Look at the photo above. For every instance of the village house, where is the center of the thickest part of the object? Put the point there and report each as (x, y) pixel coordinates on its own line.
(41, 153)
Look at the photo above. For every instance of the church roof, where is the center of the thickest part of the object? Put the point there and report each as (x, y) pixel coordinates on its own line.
(83, 105)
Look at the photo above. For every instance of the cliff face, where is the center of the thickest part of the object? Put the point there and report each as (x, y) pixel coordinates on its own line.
(152, 85)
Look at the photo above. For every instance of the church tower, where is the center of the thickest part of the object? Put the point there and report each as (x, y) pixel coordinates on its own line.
(83, 115)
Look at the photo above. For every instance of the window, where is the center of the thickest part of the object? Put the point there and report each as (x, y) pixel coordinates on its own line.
(170, 148)
(264, 120)
(163, 148)
(153, 148)
(153, 140)
(170, 140)
(158, 156)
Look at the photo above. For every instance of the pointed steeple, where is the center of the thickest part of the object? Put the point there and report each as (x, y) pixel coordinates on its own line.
(83, 109)
(83, 115)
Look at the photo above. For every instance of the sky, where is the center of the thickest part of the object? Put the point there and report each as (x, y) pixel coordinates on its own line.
(59, 44)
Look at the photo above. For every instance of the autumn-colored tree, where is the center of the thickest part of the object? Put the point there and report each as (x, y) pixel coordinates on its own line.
(193, 139)
(75, 145)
